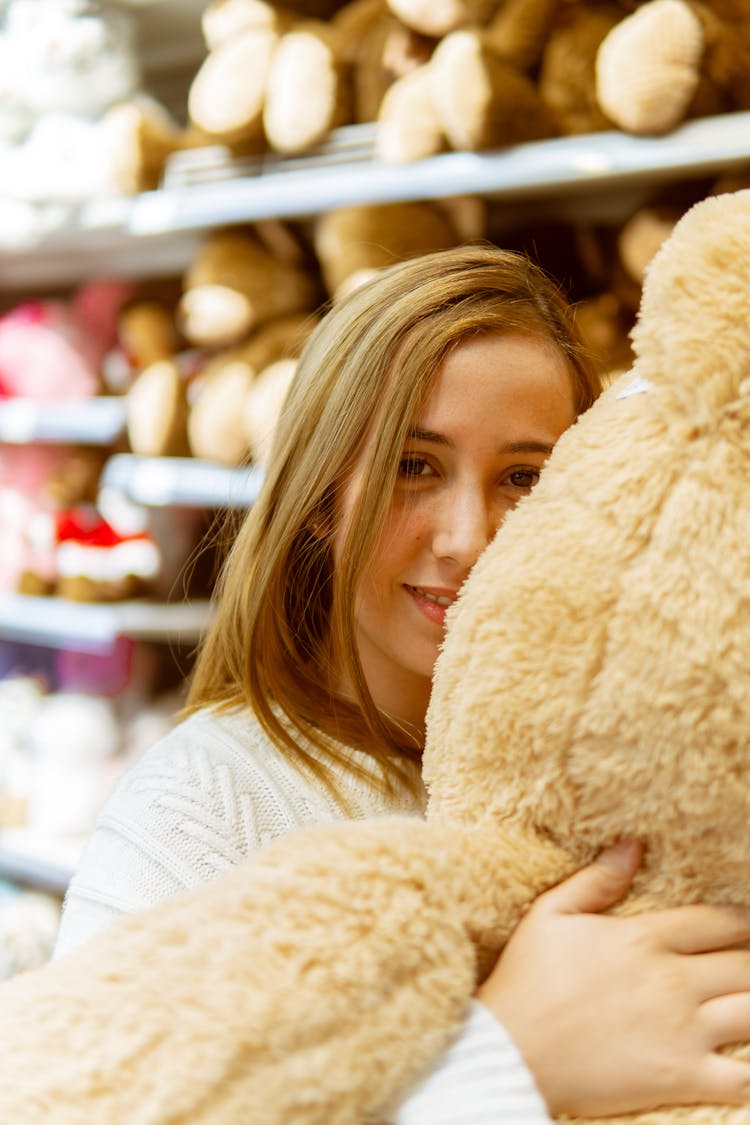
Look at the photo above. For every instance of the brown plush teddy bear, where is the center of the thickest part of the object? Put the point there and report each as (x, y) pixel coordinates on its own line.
(247, 301)
(674, 59)
(351, 243)
(212, 412)
(517, 71)
(224, 398)
(273, 76)
(236, 283)
(593, 686)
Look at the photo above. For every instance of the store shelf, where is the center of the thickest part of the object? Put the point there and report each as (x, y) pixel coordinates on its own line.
(46, 865)
(94, 421)
(180, 481)
(158, 232)
(345, 171)
(91, 627)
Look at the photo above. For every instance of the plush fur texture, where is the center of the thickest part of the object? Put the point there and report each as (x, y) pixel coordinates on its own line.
(594, 683)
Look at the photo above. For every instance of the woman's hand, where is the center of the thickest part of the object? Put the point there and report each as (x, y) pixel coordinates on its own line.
(615, 1015)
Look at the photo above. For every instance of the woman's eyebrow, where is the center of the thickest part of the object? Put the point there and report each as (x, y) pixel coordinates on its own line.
(529, 445)
(417, 433)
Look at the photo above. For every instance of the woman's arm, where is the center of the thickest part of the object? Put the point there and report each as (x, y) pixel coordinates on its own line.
(480, 1080)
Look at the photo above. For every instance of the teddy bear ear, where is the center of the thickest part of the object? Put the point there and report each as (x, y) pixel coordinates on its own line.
(695, 305)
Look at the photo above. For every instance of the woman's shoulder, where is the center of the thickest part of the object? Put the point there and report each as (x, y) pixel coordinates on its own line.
(215, 761)
(199, 745)
(208, 788)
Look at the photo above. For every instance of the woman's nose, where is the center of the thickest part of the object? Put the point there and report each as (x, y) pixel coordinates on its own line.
(466, 523)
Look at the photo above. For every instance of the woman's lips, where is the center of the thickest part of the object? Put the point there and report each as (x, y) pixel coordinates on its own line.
(432, 603)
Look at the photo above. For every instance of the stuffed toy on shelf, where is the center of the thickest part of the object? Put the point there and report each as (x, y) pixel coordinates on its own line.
(500, 75)
(53, 350)
(671, 60)
(271, 77)
(352, 243)
(248, 300)
(522, 70)
(76, 122)
(593, 686)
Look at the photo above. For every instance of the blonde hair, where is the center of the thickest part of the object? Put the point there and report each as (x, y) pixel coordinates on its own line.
(283, 614)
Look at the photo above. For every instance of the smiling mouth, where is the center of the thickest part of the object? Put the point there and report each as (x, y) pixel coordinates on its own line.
(438, 599)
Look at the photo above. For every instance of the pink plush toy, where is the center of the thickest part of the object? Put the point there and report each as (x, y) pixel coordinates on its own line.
(26, 514)
(52, 349)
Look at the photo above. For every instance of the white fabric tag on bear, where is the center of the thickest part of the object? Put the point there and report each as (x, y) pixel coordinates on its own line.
(639, 386)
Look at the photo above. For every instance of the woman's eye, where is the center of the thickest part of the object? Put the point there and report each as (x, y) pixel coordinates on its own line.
(413, 467)
(523, 478)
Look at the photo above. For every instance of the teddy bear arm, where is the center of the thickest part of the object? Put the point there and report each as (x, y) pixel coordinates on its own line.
(311, 985)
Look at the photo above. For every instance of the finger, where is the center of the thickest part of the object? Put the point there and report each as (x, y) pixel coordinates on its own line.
(722, 1079)
(726, 1020)
(709, 975)
(598, 885)
(699, 929)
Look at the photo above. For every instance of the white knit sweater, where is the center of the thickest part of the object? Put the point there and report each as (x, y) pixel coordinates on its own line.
(206, 797)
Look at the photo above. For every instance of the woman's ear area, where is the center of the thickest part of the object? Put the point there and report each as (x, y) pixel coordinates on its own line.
(320, 521)
(317, 526)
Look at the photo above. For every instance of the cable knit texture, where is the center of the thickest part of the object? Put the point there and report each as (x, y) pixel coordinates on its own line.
(204, 799)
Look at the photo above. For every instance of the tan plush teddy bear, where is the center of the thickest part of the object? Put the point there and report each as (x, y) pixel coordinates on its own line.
(466, 94)
(594, 684)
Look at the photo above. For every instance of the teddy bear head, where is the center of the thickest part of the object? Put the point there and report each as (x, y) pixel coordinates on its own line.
(594, 681)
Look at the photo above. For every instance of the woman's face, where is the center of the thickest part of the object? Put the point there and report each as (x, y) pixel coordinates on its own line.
(498, 405)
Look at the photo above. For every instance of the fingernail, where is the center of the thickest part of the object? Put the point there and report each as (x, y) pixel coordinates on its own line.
(622, 855)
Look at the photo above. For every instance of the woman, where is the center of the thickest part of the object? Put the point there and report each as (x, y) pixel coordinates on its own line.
(424, 408)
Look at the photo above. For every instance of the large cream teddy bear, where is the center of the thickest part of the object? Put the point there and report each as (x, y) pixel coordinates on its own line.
(594, 683)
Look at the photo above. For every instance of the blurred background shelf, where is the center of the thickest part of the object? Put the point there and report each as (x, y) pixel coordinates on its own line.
(158, 232)
(180, 482)
(45, 865)
(92, 627)
(94, 421)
